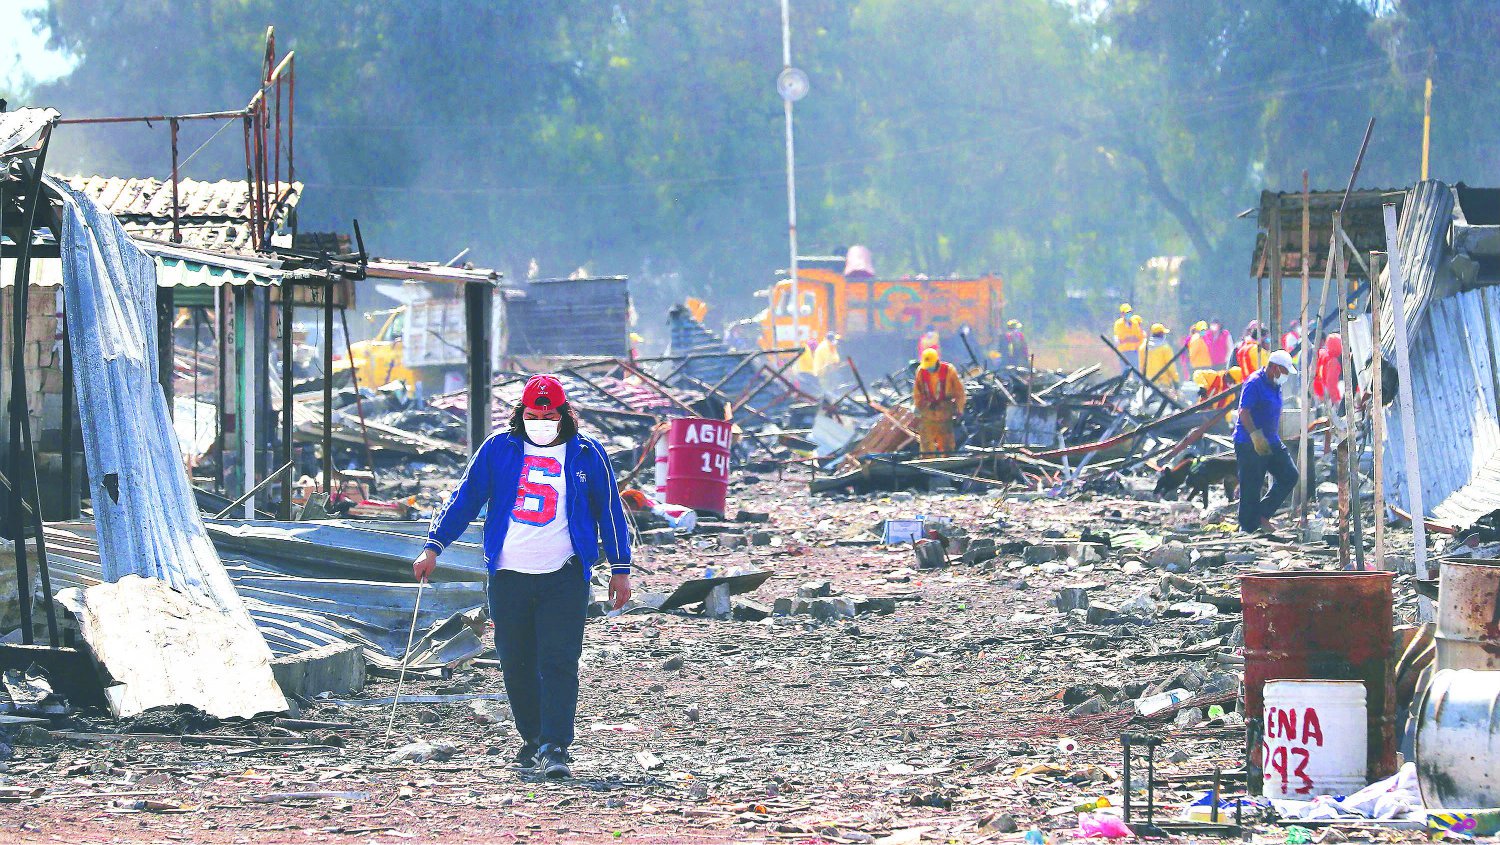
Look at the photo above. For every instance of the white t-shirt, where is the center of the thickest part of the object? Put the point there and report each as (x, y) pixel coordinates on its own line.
(537, 540)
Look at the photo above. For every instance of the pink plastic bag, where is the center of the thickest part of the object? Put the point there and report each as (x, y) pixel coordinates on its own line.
(1101, 826)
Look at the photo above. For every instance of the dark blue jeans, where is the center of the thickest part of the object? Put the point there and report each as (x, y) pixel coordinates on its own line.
(539, 638)
(1252, 468)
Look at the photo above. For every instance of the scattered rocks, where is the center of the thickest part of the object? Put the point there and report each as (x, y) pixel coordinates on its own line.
(1039, 554)
(814, 589)
(1172, 556)
(1072, 598)
(1100, 613)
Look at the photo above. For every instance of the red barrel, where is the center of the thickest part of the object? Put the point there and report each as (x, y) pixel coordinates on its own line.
(698, 464)
(1322, 626)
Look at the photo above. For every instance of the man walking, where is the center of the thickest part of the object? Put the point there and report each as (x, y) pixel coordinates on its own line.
(1257, 444)
(552, 499)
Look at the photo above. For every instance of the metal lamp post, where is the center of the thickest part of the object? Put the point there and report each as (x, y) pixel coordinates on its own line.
(792, 85)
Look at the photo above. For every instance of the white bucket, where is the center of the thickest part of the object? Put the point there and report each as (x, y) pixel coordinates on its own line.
(1315, 739)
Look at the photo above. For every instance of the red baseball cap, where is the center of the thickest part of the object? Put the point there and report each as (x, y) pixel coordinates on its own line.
(543, 393)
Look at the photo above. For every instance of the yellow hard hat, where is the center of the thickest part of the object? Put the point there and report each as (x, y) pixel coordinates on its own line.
(993, 355)
(1201, 325)
(1135, 319)
(1013, 324)
(1125, 308)
(1158, 328)
(929, 357)
(1236, 373)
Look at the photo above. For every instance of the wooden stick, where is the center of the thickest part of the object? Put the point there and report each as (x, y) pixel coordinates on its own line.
(1305, 360)
(1349, 522)
(1377, 413)
(1276, 272)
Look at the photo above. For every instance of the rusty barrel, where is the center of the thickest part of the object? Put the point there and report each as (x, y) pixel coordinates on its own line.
(1322, 626)
(1468, 618)
(698, 464)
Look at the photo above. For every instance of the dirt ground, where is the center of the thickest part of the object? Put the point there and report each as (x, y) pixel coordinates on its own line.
(946, 720)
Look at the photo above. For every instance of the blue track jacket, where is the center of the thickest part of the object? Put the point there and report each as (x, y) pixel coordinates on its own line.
(493, 478)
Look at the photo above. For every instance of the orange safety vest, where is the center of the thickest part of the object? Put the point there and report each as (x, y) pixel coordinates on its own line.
(1249, 356)
(925, 378)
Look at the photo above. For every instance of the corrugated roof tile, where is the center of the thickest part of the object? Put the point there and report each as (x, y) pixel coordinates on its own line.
(215, 215)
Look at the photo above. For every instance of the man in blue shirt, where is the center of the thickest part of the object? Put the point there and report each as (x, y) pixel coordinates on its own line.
(551, 502)
(1257, 444)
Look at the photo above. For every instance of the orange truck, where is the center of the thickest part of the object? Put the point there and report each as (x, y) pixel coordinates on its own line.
(880, 320)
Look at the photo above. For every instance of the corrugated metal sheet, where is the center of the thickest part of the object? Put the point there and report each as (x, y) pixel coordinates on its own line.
(298, 607)
(19, 128)
(1455, 376)
(1422, 237)
(176, 266)
(214, 215)
(147, 517)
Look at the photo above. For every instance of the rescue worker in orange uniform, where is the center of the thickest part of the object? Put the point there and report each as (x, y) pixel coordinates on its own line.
(1251, 355)
(1198, 354)
(939, 395)
(1129, 337)
(1159, 360)
(1214, 382)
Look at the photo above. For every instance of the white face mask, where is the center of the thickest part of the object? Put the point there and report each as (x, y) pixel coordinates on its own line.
(1279, 380)
(541, 432)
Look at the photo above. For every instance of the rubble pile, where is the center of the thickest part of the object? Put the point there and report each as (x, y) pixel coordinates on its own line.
(854, 694)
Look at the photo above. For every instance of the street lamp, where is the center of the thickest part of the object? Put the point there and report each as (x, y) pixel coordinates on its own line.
(792, 85)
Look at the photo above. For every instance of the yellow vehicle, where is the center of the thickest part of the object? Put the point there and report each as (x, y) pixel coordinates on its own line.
(380, 360)
(881, 320)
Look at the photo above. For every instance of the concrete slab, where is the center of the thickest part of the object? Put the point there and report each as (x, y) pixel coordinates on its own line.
(338, 668)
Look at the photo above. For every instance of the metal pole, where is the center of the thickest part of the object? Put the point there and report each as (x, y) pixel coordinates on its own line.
(72, 508)
(1395, 272)
(166, 352)
(328, 385)
(19, 421)
(478, 302)
(249, 494)
(287, 355)
(176, 203)
(791, 181)
(245, 316)
(17, 375)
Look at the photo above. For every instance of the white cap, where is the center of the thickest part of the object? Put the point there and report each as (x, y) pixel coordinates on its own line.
(1283, 358)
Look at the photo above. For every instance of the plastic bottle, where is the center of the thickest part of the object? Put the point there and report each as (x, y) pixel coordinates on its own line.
(1161, 701)
(1034, 836)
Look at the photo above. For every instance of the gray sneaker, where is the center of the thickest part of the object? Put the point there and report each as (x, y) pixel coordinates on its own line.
(552, 762)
